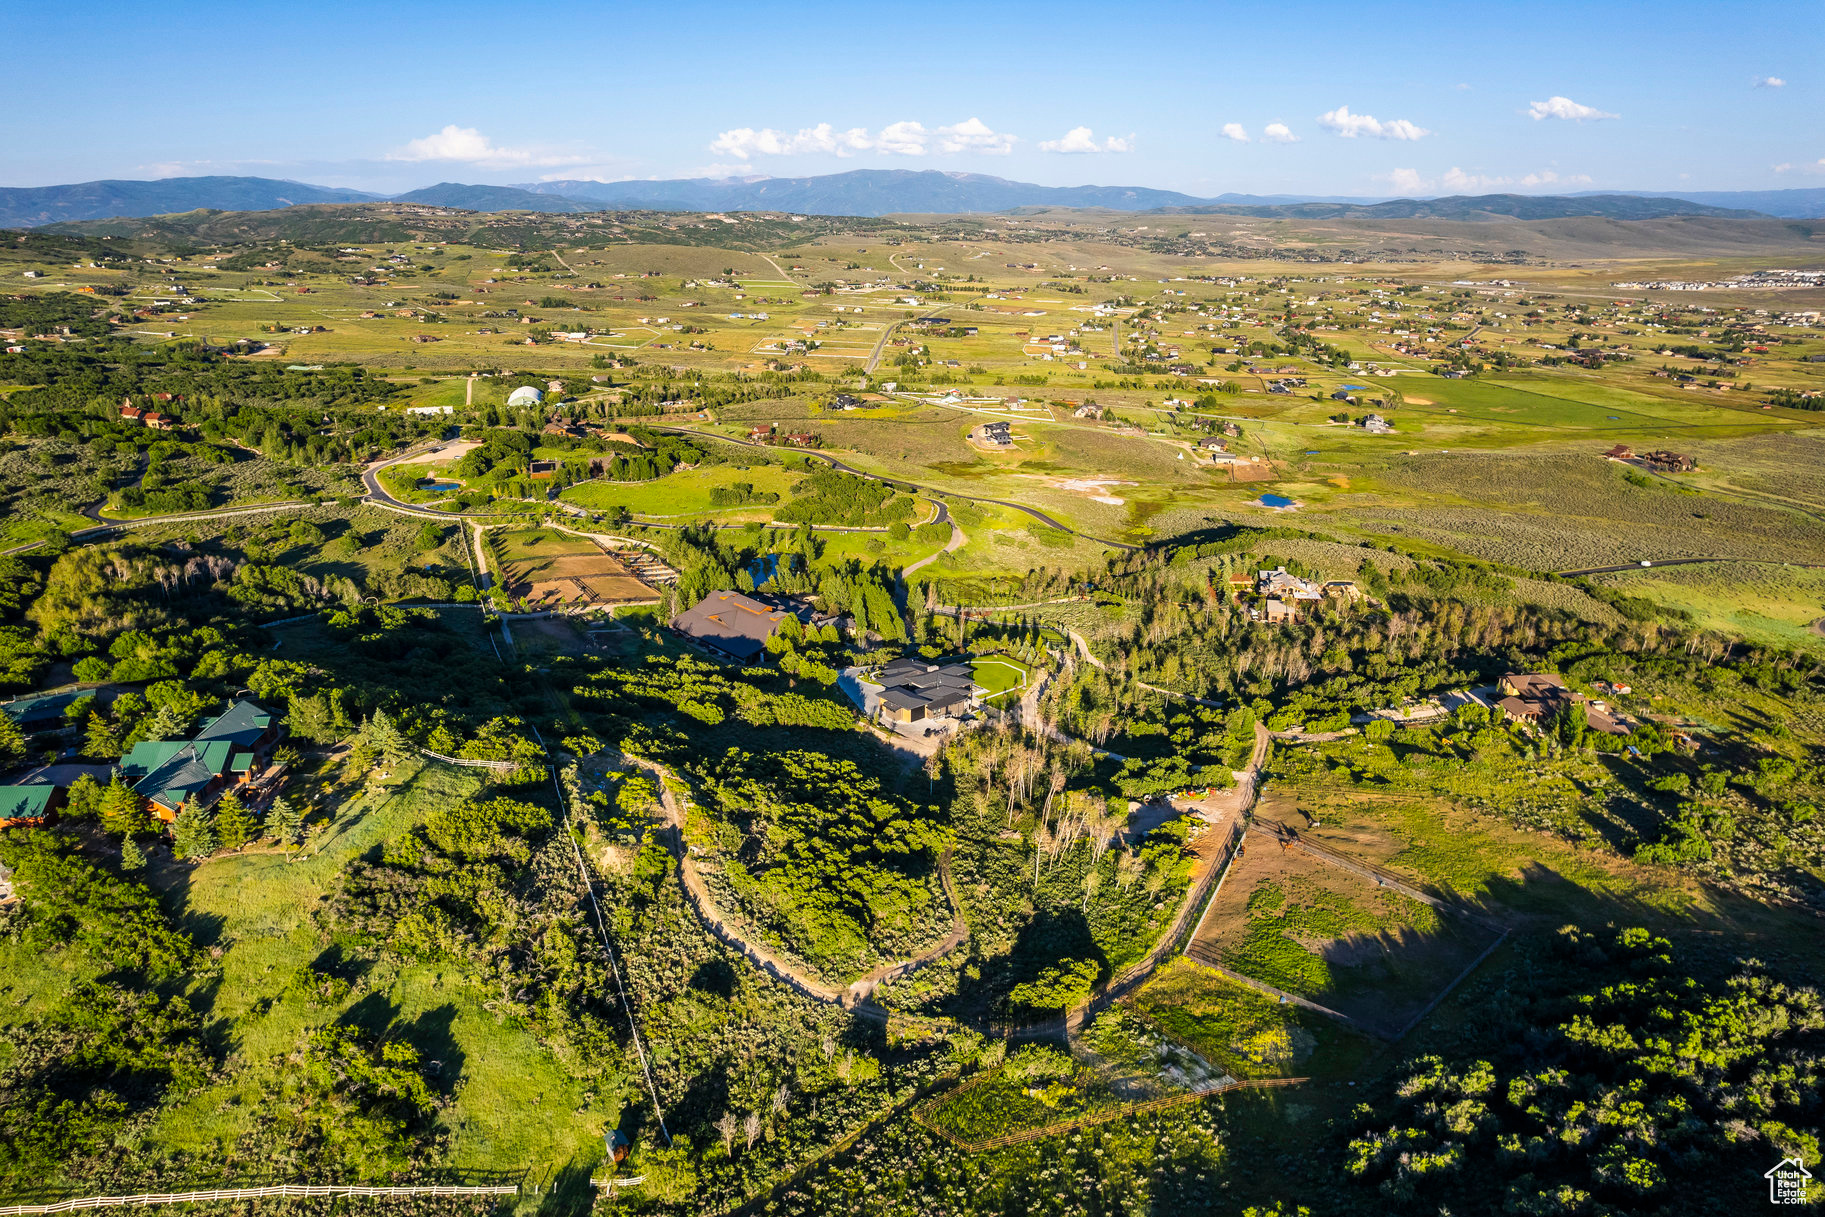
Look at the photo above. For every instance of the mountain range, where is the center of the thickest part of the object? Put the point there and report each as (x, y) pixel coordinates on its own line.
(861, 192)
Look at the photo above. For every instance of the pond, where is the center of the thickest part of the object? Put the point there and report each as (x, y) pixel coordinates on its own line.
(439, 487)
(1276, 500)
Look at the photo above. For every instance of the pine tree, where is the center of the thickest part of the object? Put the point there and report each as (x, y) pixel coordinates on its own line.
(101, 736)
(132, 857)
(384, 736)
(82, 801)
(120, 809)
(285, 822)
(235, 825)
(193, 833)
(12, 741)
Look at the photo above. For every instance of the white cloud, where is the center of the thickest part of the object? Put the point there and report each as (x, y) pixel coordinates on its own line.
(1406, 181)
(1565, 107)
(1817, 166)
(1349, 125)
(905, 138)
(744, 142)
(1236, 132)
(1456, 179)
(902, 139)
(1770, 82)
(471, 147)
(1278, 133)
(974, 135)
(1082, 139)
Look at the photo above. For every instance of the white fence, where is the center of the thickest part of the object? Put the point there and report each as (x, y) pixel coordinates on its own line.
(255, 1193)
(467, 761)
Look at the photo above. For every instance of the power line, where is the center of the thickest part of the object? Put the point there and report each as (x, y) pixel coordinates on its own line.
(589, 884)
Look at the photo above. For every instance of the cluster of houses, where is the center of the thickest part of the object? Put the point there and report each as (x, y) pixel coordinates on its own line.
(1283, 593)
(1539, 696)
(147, 417)
(1658, 461)
(767, 433)
(232, 751)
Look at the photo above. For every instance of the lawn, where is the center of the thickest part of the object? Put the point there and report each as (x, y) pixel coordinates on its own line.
(686, 494)
(998, 675)
(514, 1108)
(1244, 1031)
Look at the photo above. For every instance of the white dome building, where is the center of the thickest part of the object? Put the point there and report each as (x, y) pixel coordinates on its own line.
(525, 395)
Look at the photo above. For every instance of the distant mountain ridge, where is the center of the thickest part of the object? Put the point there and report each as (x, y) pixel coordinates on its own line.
(862, 192)
(30, 206)
(1486, 206)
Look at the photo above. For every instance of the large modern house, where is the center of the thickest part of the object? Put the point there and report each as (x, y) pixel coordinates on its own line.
(915, 689)
(1538, 696)
(730, 624)
(230, 750)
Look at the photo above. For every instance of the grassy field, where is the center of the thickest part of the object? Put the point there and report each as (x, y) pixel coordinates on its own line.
(514, 1106)
(1244, 1031)
(686, 494)
(1290, 920)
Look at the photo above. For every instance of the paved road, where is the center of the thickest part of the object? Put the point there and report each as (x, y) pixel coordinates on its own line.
(957, 541)
(874, 357)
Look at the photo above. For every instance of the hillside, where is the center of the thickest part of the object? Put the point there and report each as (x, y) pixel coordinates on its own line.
(862, 192)
(31, 206)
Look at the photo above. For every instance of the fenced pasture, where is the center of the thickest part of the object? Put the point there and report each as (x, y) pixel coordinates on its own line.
(544, 567)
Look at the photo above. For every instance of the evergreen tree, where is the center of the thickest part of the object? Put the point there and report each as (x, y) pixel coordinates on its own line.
(383, 735)
(193, 833)
(12, 741)
(121, 810)
(235, 825)
(101, 737)
(285, 822)
(132, 857)
(82, 801)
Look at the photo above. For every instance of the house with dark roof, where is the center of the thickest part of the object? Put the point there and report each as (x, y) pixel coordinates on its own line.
(730, 624)
(229, 750)
(1537, 697)
(997, 434)
(914, 689)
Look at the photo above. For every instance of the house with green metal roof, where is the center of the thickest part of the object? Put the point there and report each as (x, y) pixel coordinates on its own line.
(20, 805)
(227, 751)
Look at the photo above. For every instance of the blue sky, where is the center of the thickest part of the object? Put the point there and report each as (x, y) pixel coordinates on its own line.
(1306, 98)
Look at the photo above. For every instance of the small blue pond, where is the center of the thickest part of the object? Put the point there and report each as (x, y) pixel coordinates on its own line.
(439, 487)
(1275, 500)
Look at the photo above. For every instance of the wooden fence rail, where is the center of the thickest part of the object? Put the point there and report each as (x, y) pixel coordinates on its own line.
(256, 1193)
(468, 762)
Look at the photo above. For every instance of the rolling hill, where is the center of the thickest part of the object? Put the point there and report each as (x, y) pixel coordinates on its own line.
(861, 192)
(30, 206)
